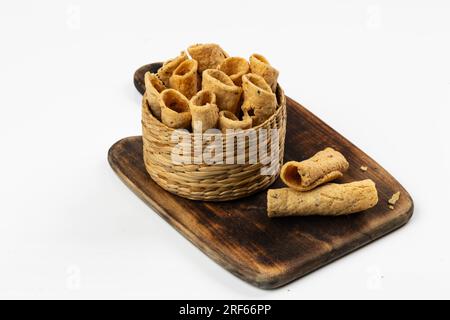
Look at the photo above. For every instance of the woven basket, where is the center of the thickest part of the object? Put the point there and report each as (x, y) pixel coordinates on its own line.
(218, 182)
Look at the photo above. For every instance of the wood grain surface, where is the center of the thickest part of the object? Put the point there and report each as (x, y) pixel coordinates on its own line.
(239, 236)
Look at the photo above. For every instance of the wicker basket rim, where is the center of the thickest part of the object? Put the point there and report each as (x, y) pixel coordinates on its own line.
(280, 94)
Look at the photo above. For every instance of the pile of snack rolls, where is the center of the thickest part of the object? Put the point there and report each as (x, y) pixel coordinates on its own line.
(209, 89)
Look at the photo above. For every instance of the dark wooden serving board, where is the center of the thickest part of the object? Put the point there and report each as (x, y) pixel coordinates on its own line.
(239, 236)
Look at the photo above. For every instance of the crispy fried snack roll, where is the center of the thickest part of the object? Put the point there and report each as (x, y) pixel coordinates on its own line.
(328, 200)
(323, 167)
(259, 101)
(235, 68)
(204, 110)
(175, 111)
(184, 78)
(167, 69)
(227, 93)
(262, 67)
(228, 120)
(153, 89)
(208, 56)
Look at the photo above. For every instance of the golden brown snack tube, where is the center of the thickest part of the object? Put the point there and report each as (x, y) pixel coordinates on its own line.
(261, 66)
(208, 56)
(165, 72)
(323, 167)
(228, 95)
(328, 200)
(175, 111)
(204, 110)
(153, 89)
(235, 68)
(228, 120)
(260, 102)
(184, 78)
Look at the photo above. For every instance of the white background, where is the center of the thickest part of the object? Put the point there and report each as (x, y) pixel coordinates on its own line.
(377, 71)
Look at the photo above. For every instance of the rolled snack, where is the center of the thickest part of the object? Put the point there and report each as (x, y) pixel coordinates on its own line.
(153, 89)
(262, 67)
(167, 69)
(259, 101)
(228, 120)
(208, 56)
(235, 68)
(184, 78)
(328, 200)
(175, 111)
(323, 167)
(204, 110)
(228, 95)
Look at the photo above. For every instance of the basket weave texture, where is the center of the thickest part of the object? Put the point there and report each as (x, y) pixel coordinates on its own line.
(208, 182)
